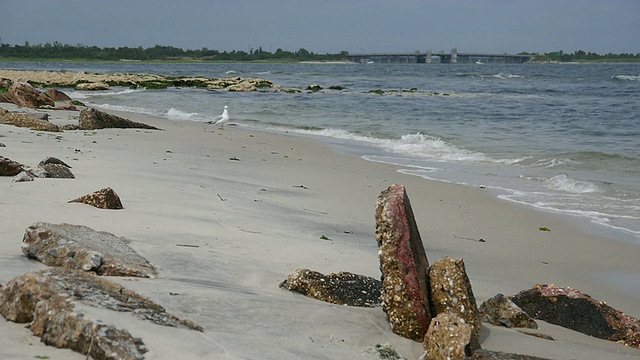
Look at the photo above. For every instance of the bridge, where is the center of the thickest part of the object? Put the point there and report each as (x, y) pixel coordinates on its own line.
(452, 58)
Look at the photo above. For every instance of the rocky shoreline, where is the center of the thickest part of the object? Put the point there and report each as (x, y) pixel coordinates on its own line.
(97, 81)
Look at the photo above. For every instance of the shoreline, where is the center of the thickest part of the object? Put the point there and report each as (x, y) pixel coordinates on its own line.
(257, 218)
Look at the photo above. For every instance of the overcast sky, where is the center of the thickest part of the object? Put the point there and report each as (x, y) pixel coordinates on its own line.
(330, 26)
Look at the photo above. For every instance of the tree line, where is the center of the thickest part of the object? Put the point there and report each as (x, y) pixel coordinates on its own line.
(56, 50)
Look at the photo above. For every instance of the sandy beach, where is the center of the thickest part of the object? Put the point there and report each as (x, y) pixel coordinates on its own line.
(253, 206)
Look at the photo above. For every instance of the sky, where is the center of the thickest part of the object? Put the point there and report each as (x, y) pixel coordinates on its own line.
(330, 26)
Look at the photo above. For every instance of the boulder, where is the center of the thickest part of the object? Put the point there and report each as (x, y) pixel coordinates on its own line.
(80, 247)
(57, 95)
(5, 83)
(451, 292)
(92, 119)
(404, 265)
(90, 86)
(26, 120)
(9, 167)
(448, 338)
(573, 309)
(501, 311)
(24, 176)
(54, 168)
(103, 199)
(25, 95)
(343, 288)
(47, 301)
(4, 98)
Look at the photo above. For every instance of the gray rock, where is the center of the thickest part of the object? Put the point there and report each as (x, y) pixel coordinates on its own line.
(92, 119)
(9, 167)
(501, 311)
(80, 247)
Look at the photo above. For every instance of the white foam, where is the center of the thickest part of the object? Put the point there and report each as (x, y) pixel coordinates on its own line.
(627, 77)
(175, 114)
(563, 183)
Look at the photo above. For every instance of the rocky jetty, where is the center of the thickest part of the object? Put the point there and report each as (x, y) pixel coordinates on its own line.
(93, 81)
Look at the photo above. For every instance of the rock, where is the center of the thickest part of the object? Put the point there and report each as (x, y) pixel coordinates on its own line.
(501, 311)
(4, 98)
(314, 88)
(54, 168)
(9, 167)
(448, 338)
(23, 177)
(403, 263)
(498, 355)
(47, 300)
(451, 291)
(80, 247)
(24, 120)
(242, 86)
(572, 309)
(92, 119)
(25, 95)
(5, 83)
(343, 288)
(103, 199)
(93, 86)
(57, 95)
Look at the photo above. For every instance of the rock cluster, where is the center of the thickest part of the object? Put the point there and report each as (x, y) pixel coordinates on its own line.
(47, 301)
(24, 95)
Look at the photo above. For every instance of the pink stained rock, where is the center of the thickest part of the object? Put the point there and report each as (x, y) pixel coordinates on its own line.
(404, 265)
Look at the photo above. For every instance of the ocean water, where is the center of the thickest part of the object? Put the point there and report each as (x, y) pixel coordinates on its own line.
(559, 137)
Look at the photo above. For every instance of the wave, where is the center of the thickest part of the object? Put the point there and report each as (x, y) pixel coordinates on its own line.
(131, 109)
(75, 94)
(175, 114)
(565, 184)
(627, 77)
(506, 76)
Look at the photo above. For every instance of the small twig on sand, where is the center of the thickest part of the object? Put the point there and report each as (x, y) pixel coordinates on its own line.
(466, 238)
(188, 245)
(221, 198)
(90, 346)
(300, 186)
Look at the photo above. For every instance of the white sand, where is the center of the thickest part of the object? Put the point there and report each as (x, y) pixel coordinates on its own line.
(256, 219)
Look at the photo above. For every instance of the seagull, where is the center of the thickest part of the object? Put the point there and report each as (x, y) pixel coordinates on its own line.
(222, 119)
